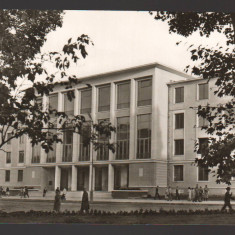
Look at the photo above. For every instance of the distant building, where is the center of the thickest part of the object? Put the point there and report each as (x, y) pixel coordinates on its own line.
(156, 132)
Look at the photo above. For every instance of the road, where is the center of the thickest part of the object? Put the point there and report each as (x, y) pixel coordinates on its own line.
(24, 205)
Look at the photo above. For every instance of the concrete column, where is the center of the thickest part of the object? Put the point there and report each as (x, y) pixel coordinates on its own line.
(112, 116)
(110, 178)
(91, 175)
(59, 146)
(57, 176)
(76, 136)
(74, 178)
(154, 117)
(132, 120)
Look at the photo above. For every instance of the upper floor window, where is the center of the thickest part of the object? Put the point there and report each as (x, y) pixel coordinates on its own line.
(86, 101)
(123, 95)
(7, 175)
(21, 139)
(203, 91)
(203, 174)
(84, 151)
(178, 173)
(53, 103)
(68, 105)
(8, 157)
(144, 92)
(67, 146)
(36, 153)
(21, 156)
(179, 120)
(144, 136)
(203, 144)
(179, 94)
(202, 121)
(179, 147)
(123, 135)
(9, 135)
(104, 98)
(20, 175)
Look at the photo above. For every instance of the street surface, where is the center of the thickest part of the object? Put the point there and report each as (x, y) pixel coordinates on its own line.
(9, 205)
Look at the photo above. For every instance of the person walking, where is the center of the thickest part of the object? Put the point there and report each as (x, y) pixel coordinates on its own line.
(177, 194)
(57, 201)
(196, 194)
(227, 199)
(85, 202)
(206, 193)
(26, 192)
(63, 198)
(189, 194)
(200, 194)
(44, 192)
(157, 196)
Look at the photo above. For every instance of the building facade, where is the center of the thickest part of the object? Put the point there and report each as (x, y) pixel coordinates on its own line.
(156, 129)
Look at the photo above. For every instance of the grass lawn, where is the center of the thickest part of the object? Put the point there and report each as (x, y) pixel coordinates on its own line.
(212, 219)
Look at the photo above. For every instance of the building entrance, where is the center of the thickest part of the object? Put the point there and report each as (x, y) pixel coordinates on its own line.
(121, 176)
(101, 178)
(83, 178)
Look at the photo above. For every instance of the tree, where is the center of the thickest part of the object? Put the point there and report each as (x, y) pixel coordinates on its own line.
(219, 153)
(23, 33)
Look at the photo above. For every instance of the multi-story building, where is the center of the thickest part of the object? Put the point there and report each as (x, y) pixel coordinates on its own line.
(156, 130)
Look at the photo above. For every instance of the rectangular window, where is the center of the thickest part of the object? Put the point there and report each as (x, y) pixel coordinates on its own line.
(179, 147)
(123, 135)
(123, 95)
(144, 92)
(203, 144)
(179, 120)
(21, 140)
(179, 94)
(202, 121)
(8, 157)
(203, 91)
(178, 173)
(67, 146)
(7, 176)
(203, 174)
(86, 101)
(36, 153)
(21, 156)
(51, 155)
(68, 105)
(8, 137)
(53, 104)
(84, 154)
(144, 136)
(104, 98)
(20, 175)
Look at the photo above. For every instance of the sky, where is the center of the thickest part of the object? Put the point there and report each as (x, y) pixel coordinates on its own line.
(124, 39)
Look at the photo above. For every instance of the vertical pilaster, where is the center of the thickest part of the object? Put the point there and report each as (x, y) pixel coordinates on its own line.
(74, 178)
(57, 176)
(112, 116)
(76, 136)
(91, 176)
(93, 116)
(110, 178)
(59, 146)
(132, 120)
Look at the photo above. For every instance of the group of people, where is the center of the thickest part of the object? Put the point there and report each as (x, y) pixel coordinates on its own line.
(196, 194)
(24, 192)
(62, 196)
(4, 192)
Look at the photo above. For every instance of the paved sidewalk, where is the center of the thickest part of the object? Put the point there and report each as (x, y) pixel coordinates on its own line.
(147, 201)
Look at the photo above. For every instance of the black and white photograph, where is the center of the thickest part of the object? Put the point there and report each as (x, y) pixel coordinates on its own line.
(117, 117)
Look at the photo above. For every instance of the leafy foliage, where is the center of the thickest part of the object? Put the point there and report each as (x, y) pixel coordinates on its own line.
(212, 62)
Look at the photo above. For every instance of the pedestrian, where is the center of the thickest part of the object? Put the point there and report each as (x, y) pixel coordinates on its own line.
(157, 196)
(177, 195)
(196, 194)
(57, 190)
(167, 194)
(44, 192)
(200, 194)
(189, 194)
(26, 192)
(7, 191)
(206, 193)
(85, 202)
(170, 193)
(63, 197)
(227, 198)
(57, 202)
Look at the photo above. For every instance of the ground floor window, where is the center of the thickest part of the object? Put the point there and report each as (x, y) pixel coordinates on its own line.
(7, 175)
(20, 175)
(178, 173)
(203, 174)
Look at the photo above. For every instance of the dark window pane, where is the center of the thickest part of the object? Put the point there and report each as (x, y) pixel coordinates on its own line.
(21, 156)
(8, 157)
(145, 92)
(179, 94)
(202, 121)
(104, 99)
(7, 175)
(86, 101)
(179, 120)
(178, 173)
(179, 147)
(203, 91)
(68, 105)
(203, 144)
(53, 103)
(84, 154)
(123, 95)
(203, 173)
(20, 175)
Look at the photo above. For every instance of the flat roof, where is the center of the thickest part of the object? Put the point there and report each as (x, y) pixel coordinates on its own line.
(188, 80)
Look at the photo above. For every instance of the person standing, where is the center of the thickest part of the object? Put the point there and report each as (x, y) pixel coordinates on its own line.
(7, 191)
(85, 202)
(44, 192)
(177, 195)
(26, 192)
(189, 194)
(206, 193)
(64, 194)
(157, 196)
(170, 193)
(167, 194)
(196, 193)
(57, 202)
(200, 194)
(227, 199)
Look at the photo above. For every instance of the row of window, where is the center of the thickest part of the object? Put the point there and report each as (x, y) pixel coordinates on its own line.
(144, 97)
(203, 173)
(21, 157)
(21, 139)
(19, 176)
(179, 146)
(203, 93)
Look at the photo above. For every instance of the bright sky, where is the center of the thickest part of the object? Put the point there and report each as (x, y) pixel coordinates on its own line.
(124, 39)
